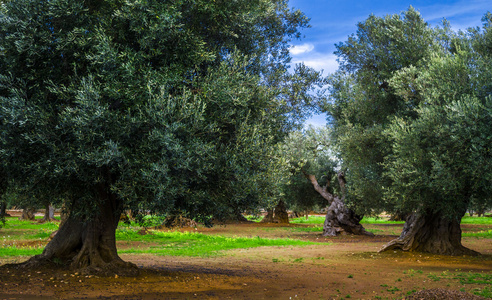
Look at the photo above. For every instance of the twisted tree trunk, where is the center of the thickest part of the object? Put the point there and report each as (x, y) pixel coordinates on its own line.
(431, 233)
(339, 219)
(88, 245)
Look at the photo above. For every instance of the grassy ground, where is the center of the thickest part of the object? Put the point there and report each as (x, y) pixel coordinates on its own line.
(293, 258)
(24, 238)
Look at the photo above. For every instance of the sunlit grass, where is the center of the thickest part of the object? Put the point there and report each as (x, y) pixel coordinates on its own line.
(185, 244)
(309, 220)
(20, 251)
(479, 234)
(375, 220)
(476, 220)
(176, 243)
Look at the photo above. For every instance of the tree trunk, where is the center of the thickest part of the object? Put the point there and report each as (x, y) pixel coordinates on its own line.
(269, 216)
(88, 245)
(49, 214)
(280, 214)
(64, 213)
(3, 209)
(28, 214)
(430, 233)
(339, 219)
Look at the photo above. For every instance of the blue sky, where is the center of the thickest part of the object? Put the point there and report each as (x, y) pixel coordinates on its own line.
(332, 21)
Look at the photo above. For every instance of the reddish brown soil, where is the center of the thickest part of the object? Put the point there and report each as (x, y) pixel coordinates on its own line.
(349, 267)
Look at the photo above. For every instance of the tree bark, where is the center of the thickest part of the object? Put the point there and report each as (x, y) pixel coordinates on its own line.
(430, 233)
(28, 214)
(269, 216)
(88, 245)
(339, 219)
(49, 214)
(280, 214)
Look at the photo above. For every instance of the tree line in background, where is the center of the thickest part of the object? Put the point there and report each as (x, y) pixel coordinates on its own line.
(189, 108)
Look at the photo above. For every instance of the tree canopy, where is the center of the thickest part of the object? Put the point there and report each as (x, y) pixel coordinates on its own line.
(410, 108)
(308, 151)
(160, 106)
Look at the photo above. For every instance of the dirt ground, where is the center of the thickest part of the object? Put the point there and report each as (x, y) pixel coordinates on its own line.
(350, 267)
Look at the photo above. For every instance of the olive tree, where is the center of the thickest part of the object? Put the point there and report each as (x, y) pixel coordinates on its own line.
(153, 106)
(316, 179)
(410, 108)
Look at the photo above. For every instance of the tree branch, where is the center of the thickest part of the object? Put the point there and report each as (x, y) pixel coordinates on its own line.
(323, 191)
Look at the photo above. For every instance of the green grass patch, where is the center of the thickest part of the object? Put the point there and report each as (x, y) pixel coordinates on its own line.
(254, 218)
(13, 223)
(479, 234)
(476, 220)
(474, 278)
(175, 243)
(477, 278)
(306, 229)
(375, 220)
(310, 220)
(20, 251)
(15, 229)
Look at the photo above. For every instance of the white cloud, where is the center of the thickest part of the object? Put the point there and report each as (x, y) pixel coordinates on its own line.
(301, 49)
(319, 61)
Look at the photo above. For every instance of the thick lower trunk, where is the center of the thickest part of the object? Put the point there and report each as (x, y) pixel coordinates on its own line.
(269, 216)
(430, 233)
(88, 245)
(280, 214)
(28, 214)
(277, 215)
(49, 214)
(339, 219)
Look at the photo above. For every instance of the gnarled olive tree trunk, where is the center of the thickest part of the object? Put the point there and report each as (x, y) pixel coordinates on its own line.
(28, 214)
(339, 219)
(278, 214)
(431, 233)
(88, 244)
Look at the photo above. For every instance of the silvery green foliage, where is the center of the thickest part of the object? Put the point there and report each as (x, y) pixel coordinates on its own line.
(173, 107)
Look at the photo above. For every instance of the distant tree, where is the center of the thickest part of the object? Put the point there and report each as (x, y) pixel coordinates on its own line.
(314, 168)
(167, 107)
(362, 101)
